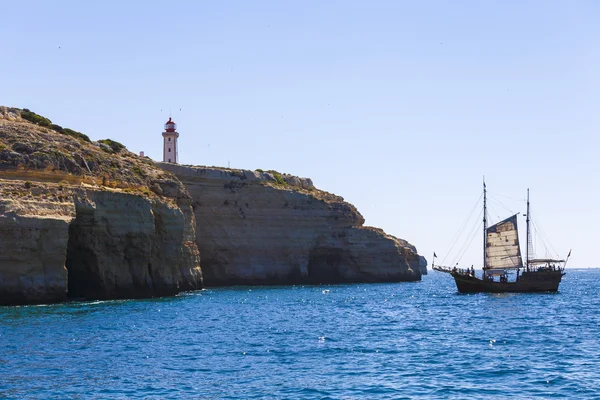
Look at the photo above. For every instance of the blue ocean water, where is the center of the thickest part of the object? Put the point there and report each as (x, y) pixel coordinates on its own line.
(375, 341)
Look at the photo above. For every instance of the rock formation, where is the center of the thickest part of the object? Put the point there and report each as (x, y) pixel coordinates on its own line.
(87, 220)
(255, 227)
(34, 231)
(83, 219)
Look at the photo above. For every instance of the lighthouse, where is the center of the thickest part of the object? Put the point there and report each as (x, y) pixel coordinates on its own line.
(170, 136)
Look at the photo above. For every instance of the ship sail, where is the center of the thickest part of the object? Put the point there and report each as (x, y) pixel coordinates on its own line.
(503, 251)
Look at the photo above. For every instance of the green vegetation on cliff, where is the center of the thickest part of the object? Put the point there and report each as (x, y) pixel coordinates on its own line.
(114, 146)
(278, 177)
(35, 118)
(31, 147)
(43, 121)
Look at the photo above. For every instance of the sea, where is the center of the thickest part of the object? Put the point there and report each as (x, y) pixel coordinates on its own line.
(418, 340)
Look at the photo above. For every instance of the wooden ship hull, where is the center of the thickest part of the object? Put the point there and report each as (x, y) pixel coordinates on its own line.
(528, 282)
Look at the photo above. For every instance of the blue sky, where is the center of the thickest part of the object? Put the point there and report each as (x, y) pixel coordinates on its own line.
(399, 107)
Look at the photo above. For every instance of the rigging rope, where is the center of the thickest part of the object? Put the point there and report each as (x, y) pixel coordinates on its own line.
(545, 239)
(507, 197)
(461, 229)
(469, 239)
(493, 212)
(468, 244)
(498, 202)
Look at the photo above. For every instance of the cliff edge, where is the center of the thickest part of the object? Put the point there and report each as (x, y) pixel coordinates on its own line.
(87, 219)
(256, 227)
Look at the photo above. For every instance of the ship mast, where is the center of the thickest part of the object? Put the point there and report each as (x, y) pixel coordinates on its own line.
(484, 224)
(528, 235)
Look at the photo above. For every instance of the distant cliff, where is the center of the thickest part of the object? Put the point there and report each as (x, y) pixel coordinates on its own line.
(87, 219)
(255, 227)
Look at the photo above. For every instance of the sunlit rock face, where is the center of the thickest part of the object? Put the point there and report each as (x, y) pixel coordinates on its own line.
(255, 227)
(81, 219)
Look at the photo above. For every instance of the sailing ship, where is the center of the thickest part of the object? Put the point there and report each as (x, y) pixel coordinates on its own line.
(503, 268)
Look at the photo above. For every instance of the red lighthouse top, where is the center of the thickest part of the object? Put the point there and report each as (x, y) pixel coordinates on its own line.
(170, 126)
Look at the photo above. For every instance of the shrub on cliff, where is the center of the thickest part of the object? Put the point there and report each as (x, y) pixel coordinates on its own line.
(115, 146)
(35, 118)
(138, 171)
(43, 121)
(76, 135)
(278, 177)
(70, 132)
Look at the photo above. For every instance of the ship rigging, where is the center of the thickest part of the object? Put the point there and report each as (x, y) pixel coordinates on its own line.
(503, 268)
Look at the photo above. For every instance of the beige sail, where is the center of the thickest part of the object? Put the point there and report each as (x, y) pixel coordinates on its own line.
(503, 251)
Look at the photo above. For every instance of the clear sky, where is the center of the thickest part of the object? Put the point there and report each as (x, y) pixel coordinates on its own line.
(400, 107)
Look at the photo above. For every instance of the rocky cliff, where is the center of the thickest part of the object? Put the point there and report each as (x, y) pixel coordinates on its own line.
(87, 219)
(83, 219)
(255, 227)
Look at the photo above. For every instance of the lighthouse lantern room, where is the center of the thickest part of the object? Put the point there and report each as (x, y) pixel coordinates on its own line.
(170, 136)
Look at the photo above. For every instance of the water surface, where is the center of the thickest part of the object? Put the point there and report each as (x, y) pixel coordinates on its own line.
(376, 341)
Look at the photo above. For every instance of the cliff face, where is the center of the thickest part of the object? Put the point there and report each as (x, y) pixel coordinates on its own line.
(263, 228)
(126, 246)
(86, 220)
(91, 220)
(33, 246)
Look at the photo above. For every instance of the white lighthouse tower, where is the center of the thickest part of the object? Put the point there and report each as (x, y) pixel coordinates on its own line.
(170, 136)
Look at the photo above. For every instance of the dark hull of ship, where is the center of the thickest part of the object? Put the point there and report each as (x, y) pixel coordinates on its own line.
(528, 282)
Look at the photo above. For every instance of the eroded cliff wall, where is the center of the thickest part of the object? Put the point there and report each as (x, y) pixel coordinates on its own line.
(125, 246)
(264, 228)
(33, 244)
(87, 220)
